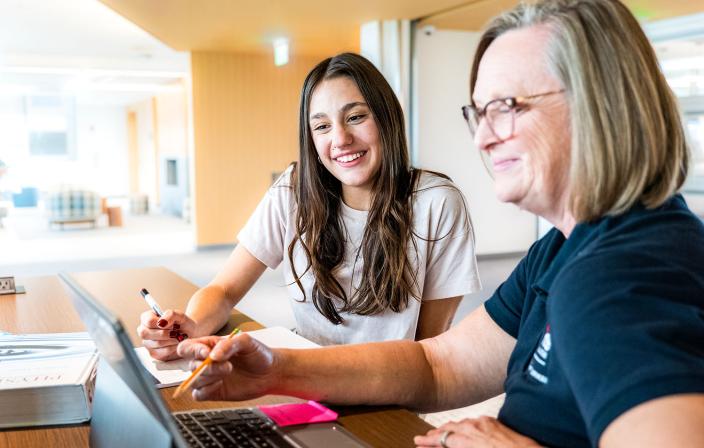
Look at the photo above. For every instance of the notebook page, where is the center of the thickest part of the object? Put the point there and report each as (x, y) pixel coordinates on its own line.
(172, 373)
(489, 407)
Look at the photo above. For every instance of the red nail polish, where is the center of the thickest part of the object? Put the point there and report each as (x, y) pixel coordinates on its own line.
(177, 326)
(162, 323)
(173, 334)
(179, 337)
(184, 335)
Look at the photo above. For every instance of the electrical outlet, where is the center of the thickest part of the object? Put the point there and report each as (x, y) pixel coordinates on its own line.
(7, 285)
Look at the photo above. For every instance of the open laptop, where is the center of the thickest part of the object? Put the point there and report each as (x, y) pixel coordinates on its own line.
(128, 410)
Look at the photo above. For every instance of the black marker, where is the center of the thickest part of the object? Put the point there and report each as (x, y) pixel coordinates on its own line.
(151, 302)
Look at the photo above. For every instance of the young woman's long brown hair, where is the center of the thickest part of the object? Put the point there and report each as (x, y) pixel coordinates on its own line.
(387, 275)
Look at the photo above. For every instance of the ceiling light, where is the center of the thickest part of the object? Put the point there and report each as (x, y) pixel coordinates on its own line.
(280, 51)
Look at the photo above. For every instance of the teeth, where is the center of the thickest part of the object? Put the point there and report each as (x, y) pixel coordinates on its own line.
(350, 157)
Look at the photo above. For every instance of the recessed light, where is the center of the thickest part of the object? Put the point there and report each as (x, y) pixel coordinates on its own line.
(280, 51)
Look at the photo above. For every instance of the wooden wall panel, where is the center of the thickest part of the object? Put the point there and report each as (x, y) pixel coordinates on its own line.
(245, 119)
(157, 154)
(132, 151)
(171, 122)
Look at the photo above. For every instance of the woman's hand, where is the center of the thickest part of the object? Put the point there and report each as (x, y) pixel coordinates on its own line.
(242, 368)
(161, 335)
(476, 433)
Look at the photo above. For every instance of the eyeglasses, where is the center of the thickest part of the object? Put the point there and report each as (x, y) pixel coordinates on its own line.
(500, 114)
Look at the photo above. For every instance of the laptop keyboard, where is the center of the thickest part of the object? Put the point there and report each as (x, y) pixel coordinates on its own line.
(229, 428)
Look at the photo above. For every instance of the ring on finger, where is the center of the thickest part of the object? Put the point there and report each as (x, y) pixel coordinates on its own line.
(443, 438)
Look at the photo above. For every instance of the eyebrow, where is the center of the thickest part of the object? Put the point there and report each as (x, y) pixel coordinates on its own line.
(344, 109)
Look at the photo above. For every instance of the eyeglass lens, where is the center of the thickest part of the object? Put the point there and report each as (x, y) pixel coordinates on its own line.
(499, 117)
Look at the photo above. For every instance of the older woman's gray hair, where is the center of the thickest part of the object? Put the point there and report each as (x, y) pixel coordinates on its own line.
(628, 143)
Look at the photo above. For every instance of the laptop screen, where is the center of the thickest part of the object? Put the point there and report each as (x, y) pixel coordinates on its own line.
(115, 347)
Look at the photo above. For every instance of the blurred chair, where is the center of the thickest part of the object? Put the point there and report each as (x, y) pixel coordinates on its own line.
(69, 206)
(28, 197)
(139, 204)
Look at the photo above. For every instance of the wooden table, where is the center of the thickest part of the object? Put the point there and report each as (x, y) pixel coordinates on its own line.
(47, 308)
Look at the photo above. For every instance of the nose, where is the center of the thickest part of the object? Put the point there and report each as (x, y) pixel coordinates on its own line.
(484, 136)
(341, 136)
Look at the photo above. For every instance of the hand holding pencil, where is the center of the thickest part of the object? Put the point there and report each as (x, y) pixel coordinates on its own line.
(198, 371)
(232, 368)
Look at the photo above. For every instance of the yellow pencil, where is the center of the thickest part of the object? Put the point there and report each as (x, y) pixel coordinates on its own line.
(196, 373)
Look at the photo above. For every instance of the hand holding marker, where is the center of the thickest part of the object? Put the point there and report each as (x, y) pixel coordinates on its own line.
(157, 310)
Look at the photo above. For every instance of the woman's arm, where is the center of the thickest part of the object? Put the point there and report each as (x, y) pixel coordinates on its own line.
(436, 316)
(210, 307)
(468, 361)
(676, 420)
(463, 365)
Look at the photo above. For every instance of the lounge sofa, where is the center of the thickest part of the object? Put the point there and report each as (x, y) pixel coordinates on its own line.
(69, 206)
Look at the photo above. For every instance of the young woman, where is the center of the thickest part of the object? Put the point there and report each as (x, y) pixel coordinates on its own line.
(372, 249)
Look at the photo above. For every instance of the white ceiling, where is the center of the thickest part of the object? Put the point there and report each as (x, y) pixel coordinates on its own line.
(83, 48)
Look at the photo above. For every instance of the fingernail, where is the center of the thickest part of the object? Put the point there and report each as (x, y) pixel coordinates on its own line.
(185, 336)
(173, 333)
(176, 326)
(179, 337)
(162, 323)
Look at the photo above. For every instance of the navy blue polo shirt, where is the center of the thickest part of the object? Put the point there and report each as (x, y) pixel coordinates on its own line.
(605, 320)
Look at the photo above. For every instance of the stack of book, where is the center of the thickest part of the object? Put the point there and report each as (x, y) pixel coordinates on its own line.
(46, 379)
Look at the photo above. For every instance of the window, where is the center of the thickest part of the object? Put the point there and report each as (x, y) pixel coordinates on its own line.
(694, 123)
(50, 125)
(679, 44)
(171, 172)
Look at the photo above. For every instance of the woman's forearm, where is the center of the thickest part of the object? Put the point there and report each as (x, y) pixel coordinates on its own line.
(376, 373)
(210, 309)
(436, 317)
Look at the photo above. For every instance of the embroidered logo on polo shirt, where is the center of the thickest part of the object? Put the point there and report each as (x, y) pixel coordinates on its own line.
(538, 366)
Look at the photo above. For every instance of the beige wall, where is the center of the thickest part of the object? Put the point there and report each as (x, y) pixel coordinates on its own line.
(444, 144)
(171, 122)
(156, 127)
(245, 118)
(145, 164)
(133, 151)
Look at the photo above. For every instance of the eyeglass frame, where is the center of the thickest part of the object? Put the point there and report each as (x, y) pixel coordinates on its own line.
(511, 101)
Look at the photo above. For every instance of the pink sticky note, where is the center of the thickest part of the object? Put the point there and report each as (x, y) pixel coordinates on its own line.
(299, 413)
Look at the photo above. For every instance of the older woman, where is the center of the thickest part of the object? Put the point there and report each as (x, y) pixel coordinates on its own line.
(597, 337)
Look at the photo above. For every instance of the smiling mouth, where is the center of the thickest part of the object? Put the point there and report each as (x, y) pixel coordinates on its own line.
(350, 157)
(501, 165)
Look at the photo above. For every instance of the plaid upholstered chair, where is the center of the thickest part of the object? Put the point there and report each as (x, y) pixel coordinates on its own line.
(69, 205)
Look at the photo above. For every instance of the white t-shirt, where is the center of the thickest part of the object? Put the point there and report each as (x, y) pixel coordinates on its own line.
(446, 267)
